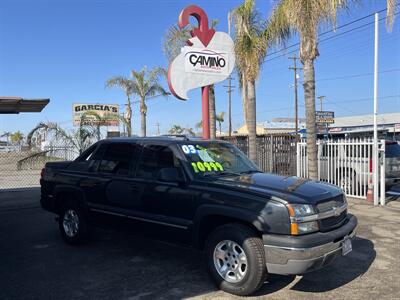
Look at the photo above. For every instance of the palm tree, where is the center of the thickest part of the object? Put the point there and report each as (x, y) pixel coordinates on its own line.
(176, 129)
(391, 8)
(174, 40)
(80, 139)
(250, 50)
(17, 137)
(145, 84)
(220, 119)
(126, 85)
(304, 17)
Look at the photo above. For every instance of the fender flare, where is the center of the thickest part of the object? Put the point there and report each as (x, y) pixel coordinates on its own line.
(241, 214)
(78, 193)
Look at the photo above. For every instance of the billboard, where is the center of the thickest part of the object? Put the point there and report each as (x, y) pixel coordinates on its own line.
(95, 114)
(325, 117)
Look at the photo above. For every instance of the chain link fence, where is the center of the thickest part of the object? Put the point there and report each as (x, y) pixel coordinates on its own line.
(276, 153)
(20, 166)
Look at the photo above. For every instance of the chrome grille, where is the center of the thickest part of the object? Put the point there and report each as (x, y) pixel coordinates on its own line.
(333, 222)
(328, 205)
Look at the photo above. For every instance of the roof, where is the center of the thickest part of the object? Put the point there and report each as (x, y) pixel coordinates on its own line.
(161, 138)
(16, 105)
(366, 120)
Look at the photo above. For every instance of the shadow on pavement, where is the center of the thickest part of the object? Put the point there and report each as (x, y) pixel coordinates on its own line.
(341, 271)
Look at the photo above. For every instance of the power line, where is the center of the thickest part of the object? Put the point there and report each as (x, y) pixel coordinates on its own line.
(356, 75)
(329, 31)
(323, 40)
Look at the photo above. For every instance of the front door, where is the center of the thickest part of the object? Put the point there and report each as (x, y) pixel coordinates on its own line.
(163, 200)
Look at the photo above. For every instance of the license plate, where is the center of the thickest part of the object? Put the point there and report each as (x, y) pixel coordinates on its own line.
(346, 247)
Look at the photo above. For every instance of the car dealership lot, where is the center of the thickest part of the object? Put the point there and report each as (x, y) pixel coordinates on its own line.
(35, 262)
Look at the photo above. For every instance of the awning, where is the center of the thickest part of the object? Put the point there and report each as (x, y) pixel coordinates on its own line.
(16, 105)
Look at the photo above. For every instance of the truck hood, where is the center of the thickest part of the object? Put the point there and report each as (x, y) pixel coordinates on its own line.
(292, 189)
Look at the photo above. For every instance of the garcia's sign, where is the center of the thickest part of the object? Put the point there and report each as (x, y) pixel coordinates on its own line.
(95, 114)
(206, 61)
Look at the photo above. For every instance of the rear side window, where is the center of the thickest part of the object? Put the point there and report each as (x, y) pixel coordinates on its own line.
(153, 159)
(117, 159)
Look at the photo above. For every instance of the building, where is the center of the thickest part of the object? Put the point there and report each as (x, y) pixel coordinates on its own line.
(363, 126)
(276, 126)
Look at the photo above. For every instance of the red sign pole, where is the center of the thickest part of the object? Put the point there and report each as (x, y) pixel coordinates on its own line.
(205, 111)
(205, 35)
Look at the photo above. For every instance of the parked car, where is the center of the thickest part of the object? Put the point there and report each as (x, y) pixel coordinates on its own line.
(249, 224)
(349, 165)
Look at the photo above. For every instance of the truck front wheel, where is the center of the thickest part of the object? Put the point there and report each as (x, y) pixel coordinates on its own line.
(236, 259)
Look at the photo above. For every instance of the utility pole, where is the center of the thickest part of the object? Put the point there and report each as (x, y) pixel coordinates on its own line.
(229, 86)
(321, 98)
(296, 105)
(158, 128)
(229, 91)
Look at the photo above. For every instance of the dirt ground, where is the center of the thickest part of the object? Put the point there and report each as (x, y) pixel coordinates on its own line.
(36, 264)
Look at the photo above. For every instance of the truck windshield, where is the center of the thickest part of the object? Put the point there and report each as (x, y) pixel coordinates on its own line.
(217, 159)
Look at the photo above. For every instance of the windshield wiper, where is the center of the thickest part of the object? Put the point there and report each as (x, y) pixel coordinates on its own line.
(230, 173)
(250, 172)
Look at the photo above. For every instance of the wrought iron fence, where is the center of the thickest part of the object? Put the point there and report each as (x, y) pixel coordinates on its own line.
(276, 153)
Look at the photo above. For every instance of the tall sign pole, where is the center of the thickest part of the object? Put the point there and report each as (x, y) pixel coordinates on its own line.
(375, 152)
(207, 59)
(205, 34)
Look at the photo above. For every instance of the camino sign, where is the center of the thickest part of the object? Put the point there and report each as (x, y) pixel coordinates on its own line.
(325, 117)
(95, 114)
(209, 58)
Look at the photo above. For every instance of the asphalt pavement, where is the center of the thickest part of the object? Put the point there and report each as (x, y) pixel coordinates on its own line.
(35, 263)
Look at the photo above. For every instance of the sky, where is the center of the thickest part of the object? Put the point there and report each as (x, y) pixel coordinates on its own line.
(65, 50)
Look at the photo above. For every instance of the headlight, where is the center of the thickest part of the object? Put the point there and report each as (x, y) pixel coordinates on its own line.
(299, 219)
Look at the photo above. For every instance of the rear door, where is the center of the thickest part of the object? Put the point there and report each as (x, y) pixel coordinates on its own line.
(116, 167)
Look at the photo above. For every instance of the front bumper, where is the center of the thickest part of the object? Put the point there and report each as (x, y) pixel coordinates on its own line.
(301, 254)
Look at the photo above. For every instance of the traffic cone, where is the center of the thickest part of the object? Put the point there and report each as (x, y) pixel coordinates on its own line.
(370, 192)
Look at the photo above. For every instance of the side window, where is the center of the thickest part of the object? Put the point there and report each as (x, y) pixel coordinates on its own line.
(117, 159)
(153, 159)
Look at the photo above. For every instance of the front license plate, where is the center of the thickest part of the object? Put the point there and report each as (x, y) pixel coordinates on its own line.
(346, 247)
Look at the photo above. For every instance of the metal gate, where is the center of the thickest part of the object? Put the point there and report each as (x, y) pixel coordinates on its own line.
(346, 163)
(276, 153)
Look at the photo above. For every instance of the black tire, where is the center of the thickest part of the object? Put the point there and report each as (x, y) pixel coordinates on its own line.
(82, 228)
(253, 248)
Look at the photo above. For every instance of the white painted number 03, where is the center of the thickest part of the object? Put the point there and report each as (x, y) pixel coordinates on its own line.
(188, 149)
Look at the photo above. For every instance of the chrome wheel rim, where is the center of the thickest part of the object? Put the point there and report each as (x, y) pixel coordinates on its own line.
(71, 223)
(230, 261)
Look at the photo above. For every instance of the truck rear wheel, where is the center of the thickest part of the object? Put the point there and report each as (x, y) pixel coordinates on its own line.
(236, 259)
(73, 224)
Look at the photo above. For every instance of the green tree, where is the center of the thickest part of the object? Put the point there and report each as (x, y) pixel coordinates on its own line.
(220, 119)
(174, 40)
(126, 85)
(304, 17)
(17, 138)
(176, 129)
(250, 50)
(145, 84)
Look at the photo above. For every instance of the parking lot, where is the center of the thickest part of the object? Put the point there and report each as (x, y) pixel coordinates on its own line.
(36, 264)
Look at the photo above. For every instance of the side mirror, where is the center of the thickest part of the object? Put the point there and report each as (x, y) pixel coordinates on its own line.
(170, 175)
